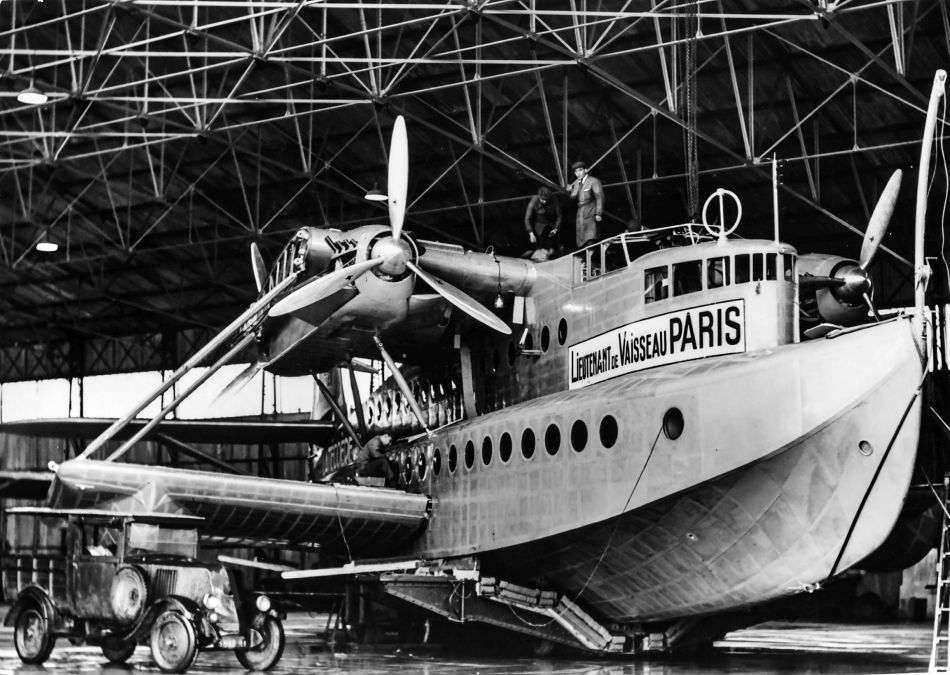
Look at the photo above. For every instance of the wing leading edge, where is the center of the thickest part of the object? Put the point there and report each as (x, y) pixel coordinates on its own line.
(366, 521)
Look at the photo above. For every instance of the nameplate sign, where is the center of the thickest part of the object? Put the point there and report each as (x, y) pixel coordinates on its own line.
(695, 333)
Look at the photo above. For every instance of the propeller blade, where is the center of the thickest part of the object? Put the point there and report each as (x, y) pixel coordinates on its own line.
(322, 287)
(257, 264)
(461, 300)
(398, 176)
(239, 382)
(810, 281)
(877, 226)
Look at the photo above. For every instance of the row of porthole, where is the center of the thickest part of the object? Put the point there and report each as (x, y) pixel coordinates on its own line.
(552, 444)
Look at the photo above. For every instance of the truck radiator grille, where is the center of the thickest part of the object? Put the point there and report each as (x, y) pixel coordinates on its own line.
(165, 582)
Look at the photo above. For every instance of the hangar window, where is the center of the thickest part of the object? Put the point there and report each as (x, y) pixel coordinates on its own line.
(717, 272)
(469, 455)
(655, 284)
(504, 447)
(687, 277)
(437, 461)
(552, 439)
(453, 459)
(527, 444)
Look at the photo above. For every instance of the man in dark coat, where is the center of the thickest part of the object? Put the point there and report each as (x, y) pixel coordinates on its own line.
(371, 459)
(542, 219)
(588, 192)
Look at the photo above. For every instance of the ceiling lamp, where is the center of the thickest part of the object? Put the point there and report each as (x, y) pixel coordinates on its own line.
(44, 245)
(32, 96)
(376, 195)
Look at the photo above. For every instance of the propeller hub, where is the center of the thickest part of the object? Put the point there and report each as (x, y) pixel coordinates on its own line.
(394, 254)
(857, 282)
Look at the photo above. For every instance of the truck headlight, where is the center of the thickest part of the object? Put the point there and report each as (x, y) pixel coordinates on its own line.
(262, 603)
(211, 601)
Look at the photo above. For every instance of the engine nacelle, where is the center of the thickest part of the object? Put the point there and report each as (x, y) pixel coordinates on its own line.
(842, 303)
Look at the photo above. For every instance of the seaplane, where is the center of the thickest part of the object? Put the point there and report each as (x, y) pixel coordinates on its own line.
(611, 449)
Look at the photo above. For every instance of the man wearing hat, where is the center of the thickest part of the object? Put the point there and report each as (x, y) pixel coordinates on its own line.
(542, 219)
(589, 194)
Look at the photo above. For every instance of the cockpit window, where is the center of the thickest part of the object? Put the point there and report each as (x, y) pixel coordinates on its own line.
(687, 277)
(771, 264)
(743, 268)
(788, 266)
(717, 272)
(655, 284)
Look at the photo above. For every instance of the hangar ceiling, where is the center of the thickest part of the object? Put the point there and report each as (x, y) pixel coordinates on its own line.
(177, 132)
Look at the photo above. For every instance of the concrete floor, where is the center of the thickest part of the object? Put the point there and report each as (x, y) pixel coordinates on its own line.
(769, 648)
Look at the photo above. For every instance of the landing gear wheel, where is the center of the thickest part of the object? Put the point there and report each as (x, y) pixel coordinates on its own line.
(173, 642)
(271, 647)
(31, 636)
(118, 650)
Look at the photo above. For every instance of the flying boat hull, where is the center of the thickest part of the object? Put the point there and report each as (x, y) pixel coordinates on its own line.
(793, 464)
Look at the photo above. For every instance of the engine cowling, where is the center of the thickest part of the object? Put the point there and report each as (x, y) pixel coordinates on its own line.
(835, 287)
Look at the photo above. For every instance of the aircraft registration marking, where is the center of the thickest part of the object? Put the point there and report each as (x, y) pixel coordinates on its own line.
(684, 335)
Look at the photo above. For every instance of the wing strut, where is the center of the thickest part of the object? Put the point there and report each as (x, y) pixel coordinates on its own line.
(403, 385)
(232, 328)
(340, 415)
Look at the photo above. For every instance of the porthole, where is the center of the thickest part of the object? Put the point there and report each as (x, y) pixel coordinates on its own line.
(512, 353)
(529, 342)
(469, 455)
(608, 431)
(486, 451)
(561, 331)
(453, 459)
(422, 466)
(865, 448)
(437, 462)
(527, 444)
(673, 424)
(579, 436)
(504, 447)
(545, 339)
(407, 468)
(552, 439)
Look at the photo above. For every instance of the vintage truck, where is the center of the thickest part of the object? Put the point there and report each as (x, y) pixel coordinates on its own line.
(118, 580)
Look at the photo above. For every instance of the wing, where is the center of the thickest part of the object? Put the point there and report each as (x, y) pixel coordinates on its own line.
(186, 431)
(363, 521)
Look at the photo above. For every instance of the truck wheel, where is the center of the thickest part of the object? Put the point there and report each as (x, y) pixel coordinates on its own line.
(118, 650)
(173, 642)
(269, 651)
(32, 637)
(128, 595)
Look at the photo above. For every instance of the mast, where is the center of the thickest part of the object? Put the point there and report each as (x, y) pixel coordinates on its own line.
(921, 270)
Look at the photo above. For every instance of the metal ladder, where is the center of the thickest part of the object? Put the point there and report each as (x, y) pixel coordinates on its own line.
(940, 648)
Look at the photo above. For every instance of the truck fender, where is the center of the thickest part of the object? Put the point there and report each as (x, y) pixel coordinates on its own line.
(184, 605)
(32, 596)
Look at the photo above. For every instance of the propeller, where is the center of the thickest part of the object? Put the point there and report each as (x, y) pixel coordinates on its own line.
(257, 264)
(464, 302)
(398, 176)
(240, 381)
(852, 283)
(393, 256)
(319, 288)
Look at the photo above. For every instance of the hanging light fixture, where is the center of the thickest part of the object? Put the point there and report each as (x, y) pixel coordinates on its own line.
(376, 195)
(32, 96)
(499, 300)
(44, 245)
